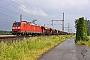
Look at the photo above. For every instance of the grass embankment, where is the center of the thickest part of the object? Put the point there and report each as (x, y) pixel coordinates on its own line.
(29, 49)
(87, 43)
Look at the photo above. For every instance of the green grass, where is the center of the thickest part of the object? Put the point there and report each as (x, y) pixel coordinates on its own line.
(87, 43)
(29, 49)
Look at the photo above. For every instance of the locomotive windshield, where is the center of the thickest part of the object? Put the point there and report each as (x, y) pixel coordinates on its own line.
(16, 24)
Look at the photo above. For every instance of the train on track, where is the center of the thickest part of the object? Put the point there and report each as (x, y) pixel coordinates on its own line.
(26, 28)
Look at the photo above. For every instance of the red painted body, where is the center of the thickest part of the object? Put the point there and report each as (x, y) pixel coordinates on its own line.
(26, 28)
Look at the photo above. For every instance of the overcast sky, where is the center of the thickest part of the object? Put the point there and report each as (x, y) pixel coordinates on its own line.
(44, 11)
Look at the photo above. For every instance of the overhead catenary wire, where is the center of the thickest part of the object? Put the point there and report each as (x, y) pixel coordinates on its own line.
(31, 8)
(13, 10)
(8, 15)
(19, 5)
(10, 10)
(4, 19)
(2, 8)
(27, 5)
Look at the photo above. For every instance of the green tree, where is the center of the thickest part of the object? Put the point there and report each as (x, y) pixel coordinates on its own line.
(81, 33)
(88, 27)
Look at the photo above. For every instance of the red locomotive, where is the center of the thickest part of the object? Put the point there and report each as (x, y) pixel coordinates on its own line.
(26, 28)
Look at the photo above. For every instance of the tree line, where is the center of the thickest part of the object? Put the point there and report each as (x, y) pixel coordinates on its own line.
(88, 27)
(2, 32)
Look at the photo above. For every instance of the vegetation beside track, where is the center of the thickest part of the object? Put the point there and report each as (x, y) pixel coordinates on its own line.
(87, 43)
(5, 32)
(29, 49)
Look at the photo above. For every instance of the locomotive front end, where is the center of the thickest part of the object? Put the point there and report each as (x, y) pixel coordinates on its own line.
(16, 28)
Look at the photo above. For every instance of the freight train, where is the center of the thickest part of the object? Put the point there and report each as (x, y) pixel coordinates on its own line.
(26, 28)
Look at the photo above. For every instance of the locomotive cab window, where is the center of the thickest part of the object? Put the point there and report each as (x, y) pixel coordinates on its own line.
(16, 24)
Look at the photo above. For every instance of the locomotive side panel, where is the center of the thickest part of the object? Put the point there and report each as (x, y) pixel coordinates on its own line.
(28, 28)
(38, 29)
(23, 27)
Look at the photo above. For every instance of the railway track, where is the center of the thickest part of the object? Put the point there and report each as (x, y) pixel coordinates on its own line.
(13, 38)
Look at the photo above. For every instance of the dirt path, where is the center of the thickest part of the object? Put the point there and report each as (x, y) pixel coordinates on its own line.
(67, 50)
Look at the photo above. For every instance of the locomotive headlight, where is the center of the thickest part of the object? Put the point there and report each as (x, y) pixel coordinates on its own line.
(13, 27)
(18, 27)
